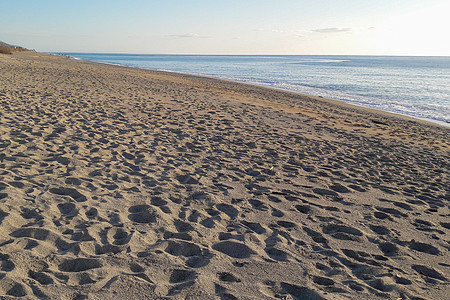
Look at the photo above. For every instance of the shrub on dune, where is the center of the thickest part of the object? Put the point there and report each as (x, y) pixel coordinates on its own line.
(5, 49)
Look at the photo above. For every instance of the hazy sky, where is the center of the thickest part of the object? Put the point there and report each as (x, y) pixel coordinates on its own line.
(385, 27)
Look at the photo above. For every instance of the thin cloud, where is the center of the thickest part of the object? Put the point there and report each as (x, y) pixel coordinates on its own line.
(189, 36)
(302, 33)
(332, 30)
(270, 30)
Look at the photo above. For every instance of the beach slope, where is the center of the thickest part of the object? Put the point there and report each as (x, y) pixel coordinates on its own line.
(120, 183)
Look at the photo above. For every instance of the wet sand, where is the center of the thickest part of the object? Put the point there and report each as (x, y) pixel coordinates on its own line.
(120, 183)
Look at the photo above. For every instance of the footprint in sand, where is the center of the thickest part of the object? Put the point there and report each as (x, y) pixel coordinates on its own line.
(343, 232)
(429, 272)
(255, 227)
(65, 191)
(119, 236)
(40, 277)
(91, 213)
(178, 276)
(12, 288)
(79, 264)
(389, 249)
(6, 264)
(227, 277)
(228, 209)
(424, 247)
(233, 249)
(142, 214)
(379, 229)
(325, 281)
(300, 292)
(277, 254)
(67, 209)
(179, 248)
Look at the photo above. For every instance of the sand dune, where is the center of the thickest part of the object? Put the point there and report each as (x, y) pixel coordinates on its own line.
(118, 183)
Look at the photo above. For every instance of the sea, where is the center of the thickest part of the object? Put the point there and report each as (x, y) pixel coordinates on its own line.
(418, 87)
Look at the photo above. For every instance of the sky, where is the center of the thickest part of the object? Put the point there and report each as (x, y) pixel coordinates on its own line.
(307, 27)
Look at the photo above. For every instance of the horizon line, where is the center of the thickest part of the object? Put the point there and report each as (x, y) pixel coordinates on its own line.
(203, 54)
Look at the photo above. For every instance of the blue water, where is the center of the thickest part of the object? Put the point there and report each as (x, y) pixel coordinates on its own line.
(413, 86)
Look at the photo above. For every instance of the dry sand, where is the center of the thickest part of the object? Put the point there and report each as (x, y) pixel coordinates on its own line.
(119, 183)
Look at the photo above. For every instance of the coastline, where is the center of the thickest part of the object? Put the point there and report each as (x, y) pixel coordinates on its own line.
(119, 182)
(242, 81)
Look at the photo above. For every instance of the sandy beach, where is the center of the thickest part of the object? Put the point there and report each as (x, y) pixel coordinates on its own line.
(120, 183)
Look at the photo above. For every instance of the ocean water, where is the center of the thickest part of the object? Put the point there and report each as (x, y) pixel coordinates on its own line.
(414, 86)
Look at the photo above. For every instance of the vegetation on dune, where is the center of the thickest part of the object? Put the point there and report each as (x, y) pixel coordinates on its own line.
(6, 49)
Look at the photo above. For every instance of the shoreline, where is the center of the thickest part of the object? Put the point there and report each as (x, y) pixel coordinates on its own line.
(237, 81)
(127, 183)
